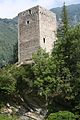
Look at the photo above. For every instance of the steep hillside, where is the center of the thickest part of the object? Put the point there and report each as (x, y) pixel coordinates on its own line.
(73, 13)
(8, 40)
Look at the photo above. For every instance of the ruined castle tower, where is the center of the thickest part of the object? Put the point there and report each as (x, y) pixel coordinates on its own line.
(36, 28)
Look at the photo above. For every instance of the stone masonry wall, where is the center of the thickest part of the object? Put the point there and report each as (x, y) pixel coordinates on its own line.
(48, 28)
(28, 34)
(36, 28)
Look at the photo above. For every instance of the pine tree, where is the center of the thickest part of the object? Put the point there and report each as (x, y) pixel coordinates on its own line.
(61, 54)
(63, 27)
(65, 19)
(66, 54)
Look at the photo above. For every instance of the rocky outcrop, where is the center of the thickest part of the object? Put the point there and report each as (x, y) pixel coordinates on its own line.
(32, 116)
(31, 108)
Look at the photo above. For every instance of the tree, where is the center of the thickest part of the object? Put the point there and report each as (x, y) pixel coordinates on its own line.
(64, 19)
(24, 79)
(74, 66)
(61, 115)
(63, 27)
(61, 54)
(44, 70)
(7, 81)
(66, 53)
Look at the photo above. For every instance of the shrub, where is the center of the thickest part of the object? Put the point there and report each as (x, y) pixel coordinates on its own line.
(61, 115)
(6, 117)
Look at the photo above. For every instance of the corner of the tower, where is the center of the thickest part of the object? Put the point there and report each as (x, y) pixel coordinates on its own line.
(36, 28)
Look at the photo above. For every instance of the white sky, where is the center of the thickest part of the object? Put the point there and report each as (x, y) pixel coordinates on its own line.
(10, 8)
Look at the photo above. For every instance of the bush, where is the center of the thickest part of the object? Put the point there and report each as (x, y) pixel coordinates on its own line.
(61, 115)
(6, 117)
(7, 80)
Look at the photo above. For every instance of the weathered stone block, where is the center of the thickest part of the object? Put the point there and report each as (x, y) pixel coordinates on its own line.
(36, 28)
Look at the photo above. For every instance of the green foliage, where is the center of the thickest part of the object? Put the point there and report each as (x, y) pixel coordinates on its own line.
(45, 82)
(24, 79)
(62, 115)
(8, 40)
(61, 52)
(55, 77)
(6, 117)
(74, 66)
(66, 54)
(7, 81)
(64, 20)
(43, 68)
(73, 14)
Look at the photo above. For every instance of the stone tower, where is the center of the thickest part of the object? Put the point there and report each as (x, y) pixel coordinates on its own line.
(36, 29)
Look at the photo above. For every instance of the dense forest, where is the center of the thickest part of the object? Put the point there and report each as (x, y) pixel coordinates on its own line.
(53, 79)
(8, 41)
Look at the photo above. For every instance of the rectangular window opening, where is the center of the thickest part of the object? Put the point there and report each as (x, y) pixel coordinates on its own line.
(28, 22)
(29, 11)
(43, 40)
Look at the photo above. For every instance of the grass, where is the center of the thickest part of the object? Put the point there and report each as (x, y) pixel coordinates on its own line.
(8, 117)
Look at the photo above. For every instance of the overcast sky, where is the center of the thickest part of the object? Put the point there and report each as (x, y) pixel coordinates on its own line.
(10, 8)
